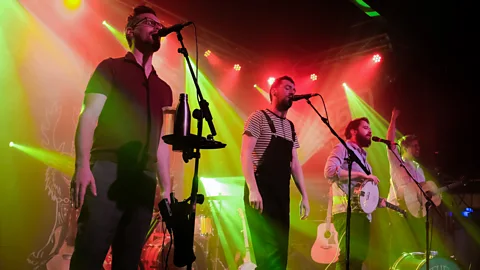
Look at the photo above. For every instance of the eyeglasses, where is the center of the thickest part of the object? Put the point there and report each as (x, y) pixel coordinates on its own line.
(149, 22)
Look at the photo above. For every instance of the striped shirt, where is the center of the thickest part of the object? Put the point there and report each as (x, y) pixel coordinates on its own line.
(258, 127)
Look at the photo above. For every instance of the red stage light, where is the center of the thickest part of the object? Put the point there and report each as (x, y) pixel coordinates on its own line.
(377, 58)
(313, 77)
(237, 67)
(207, 53)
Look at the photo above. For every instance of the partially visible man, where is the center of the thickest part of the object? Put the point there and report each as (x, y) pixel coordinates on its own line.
(358, 135)
(410, 234)
(119, 150)
(269, 159)
(410, 151)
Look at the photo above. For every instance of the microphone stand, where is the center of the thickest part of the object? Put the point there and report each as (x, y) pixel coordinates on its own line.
(351, 158)
(203, 113)
(428, 204)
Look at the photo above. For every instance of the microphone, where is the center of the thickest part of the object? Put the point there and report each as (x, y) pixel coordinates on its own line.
(304, 96)
(387, 142)
(174, 28)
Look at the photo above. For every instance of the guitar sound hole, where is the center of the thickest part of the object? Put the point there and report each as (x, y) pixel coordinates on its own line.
(327, 234)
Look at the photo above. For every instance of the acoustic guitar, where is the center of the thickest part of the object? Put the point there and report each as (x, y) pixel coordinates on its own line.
(247, 262)
(415, 201)
(325, 250)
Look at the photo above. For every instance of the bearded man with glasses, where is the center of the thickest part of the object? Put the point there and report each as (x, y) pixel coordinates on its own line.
(119, 151)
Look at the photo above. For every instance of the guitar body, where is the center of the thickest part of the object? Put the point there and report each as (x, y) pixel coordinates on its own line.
(325, 250)
(415, 201)
(247, 266)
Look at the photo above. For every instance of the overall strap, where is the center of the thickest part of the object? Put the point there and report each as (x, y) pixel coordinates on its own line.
(294, 135)
(270, 122)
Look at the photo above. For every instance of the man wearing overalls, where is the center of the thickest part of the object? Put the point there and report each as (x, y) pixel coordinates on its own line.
(269, 159)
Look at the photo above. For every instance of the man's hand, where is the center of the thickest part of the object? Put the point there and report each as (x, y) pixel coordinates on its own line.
(304, 208)
(256, 201)
(382, 203)
(373, 178)
(395, 114)
(82, 178)
(165, 195)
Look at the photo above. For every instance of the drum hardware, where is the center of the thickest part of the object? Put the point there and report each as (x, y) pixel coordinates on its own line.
(417, 260)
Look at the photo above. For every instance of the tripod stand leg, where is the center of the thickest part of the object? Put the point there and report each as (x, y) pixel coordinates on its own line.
(153, 225)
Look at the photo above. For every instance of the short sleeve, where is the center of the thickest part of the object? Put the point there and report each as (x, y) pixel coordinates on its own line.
(253, 125)
(168, 97)
(101, 81)
(296, 144)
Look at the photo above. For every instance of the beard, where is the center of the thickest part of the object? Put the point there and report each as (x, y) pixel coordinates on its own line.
(155, 44)
(285, 104)
(148, 44)
(363, 141)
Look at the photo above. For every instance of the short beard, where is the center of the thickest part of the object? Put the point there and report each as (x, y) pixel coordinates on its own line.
(156, 44)
(362, 141)
(148, 47)
(284, 105)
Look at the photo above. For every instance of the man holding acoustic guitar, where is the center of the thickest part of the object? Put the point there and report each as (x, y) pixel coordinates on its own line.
(404, 192)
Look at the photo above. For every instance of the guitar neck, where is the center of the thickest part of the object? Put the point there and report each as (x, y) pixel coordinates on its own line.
(395, 208)
(245, 237)
(449, 186)
(328, 219)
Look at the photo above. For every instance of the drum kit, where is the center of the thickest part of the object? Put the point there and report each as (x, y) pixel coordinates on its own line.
(416, 260)
(158, 250)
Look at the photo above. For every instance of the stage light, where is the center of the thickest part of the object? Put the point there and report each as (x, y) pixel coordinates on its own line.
(105, 23)
(11, 144)
(377, 58)
(313, 77)
(255, 85)
(237, 67)
(271, 80)
(72, 4)
(467, 212)
(344, 84)
(207, 53)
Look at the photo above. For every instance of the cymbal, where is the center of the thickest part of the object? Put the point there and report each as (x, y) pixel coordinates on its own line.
(193, 141)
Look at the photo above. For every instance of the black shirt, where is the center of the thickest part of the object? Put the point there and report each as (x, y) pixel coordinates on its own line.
(129, 126)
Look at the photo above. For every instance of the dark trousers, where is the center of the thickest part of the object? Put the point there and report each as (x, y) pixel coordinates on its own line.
(359, 239)
(119, 216)
(407, 235)
(269, 239)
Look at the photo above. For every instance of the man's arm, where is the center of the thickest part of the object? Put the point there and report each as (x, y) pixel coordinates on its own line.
(392, 126)
(83, 177)
(392, 129)
(251, 133)
(248, 144)
(297, 174)
(96, 93)
(333, 171)
(92, 107)
(163, 168)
